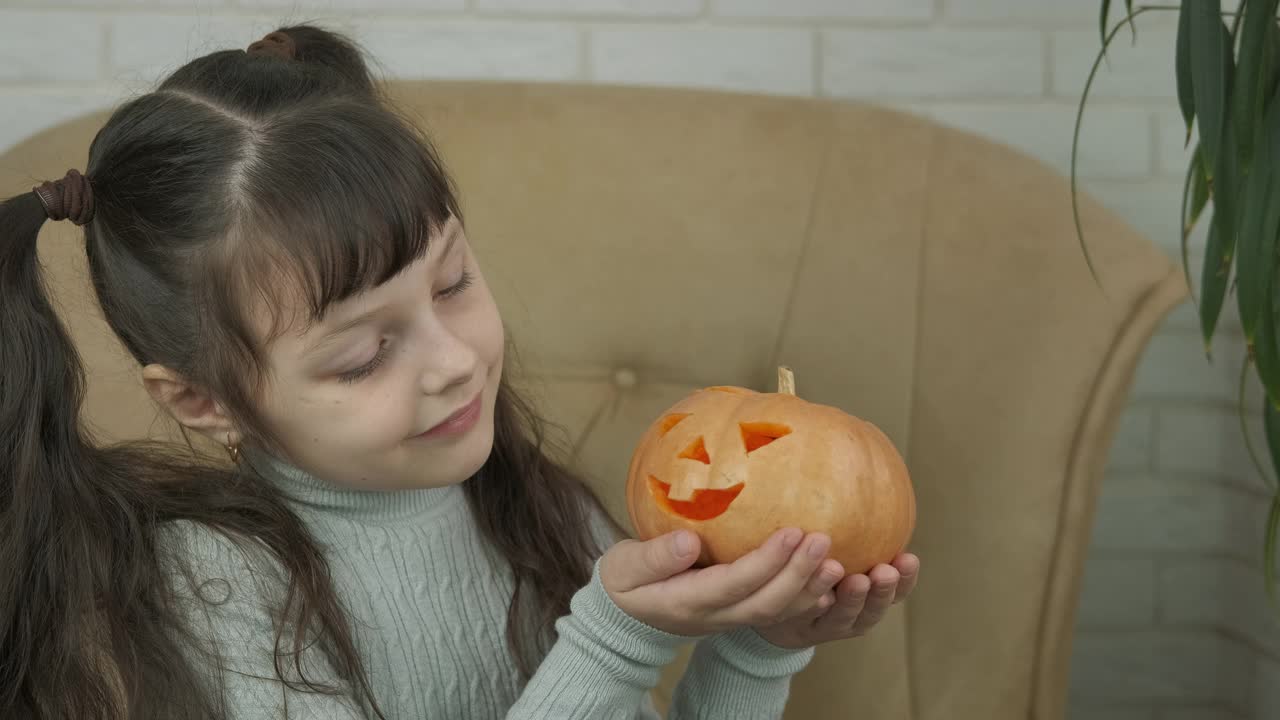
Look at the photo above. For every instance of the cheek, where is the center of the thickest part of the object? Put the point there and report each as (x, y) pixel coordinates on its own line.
(480, 326)
(308, 418)
(495, 338)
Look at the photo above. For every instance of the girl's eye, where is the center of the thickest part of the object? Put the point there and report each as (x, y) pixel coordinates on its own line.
(364, 371)
(458, 287)
(367, 369)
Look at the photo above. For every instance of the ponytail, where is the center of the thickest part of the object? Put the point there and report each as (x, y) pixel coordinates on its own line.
(52, 508)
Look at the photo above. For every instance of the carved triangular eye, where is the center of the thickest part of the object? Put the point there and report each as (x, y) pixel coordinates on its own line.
(697, 450)
(756, 435)
(669, 422)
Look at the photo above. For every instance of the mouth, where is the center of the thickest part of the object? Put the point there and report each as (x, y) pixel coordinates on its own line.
(457, 423)
(706, 503)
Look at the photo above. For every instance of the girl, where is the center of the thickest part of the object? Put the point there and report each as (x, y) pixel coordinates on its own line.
(285, 257)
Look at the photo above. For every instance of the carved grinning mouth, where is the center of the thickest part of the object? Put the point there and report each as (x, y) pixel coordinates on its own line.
(708, 503)
(705, 504)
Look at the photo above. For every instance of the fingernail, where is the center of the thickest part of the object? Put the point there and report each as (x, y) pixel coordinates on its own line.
(819, 547)
(684, 543)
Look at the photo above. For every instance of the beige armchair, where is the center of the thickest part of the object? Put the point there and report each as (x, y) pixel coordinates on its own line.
(643, 242)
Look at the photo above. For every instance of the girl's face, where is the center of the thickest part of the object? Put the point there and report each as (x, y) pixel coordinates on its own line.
(395, 389)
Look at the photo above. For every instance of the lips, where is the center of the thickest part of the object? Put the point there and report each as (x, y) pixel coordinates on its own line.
(459, 421)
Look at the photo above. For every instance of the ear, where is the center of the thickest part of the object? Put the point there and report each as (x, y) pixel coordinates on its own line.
(191, 405)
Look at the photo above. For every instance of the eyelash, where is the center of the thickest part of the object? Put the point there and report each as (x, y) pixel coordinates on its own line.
(364, 371)
(367, 369)
(457, 288)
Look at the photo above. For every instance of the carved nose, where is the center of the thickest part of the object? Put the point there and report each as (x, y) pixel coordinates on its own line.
(697, 450)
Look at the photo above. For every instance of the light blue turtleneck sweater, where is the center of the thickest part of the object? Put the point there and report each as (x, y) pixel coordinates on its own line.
(428, 599)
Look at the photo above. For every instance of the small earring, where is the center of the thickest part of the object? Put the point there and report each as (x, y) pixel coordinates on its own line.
(233, 449)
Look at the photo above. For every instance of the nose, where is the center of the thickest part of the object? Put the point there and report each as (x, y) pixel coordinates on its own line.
(450, 361)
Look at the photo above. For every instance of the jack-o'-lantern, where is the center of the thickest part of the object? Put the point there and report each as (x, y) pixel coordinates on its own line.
(735, 465)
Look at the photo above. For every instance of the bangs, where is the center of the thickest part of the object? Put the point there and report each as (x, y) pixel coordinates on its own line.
(338, 199)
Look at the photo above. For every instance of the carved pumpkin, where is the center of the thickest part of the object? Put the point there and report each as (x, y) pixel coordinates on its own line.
(735, 465)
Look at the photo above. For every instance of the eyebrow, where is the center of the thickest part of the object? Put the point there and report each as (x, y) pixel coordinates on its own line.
(450, 240)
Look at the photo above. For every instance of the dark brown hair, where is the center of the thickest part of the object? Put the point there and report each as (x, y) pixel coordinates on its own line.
(238, 169)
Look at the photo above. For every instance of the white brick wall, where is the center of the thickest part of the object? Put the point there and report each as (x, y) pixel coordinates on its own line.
(1173, 624)
(460, 49)
(341, 5)
(1137, 72)
(871, 10)
(730, 58)
(1166, 666)
(25, 56)
(144, 47)
(933, 63)
(642, 8)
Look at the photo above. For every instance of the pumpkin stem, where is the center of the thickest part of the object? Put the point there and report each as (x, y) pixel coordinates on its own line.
(786, 380)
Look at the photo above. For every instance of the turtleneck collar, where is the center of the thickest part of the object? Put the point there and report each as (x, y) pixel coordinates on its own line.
(366, 506)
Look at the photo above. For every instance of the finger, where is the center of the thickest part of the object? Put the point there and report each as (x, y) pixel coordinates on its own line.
(827, 575)
(821, 605)
(851, 596)
(908, 567)
(884, 582)
(724, 586)
(795, 588)
(818, 596)
(630, 564)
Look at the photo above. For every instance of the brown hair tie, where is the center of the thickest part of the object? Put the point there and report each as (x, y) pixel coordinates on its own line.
(70, 198)
(276, 43)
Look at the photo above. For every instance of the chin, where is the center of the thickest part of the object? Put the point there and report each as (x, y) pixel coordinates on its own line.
(473, 452)
(480, 455)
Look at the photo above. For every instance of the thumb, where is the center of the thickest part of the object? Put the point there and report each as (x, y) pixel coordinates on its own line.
(631, 564)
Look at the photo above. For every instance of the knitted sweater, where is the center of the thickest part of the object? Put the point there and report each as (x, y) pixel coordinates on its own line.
(428, 600)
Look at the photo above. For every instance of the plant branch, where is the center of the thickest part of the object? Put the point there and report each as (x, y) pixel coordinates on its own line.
(1075, 138)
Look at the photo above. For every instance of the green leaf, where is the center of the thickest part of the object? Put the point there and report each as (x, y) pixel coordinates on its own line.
(1272, 61)
(1182, 66)
(1195, 188)
(1263, 474)
(1106, 11)
(1213, 278)
(1210, 76)
(1102, 21)
(1236, 17)
(1265, 347)
(1225, 188)
(1259, 223)
(1249, 88)
(1199, 190)
(1265, 356)
(1271, 427)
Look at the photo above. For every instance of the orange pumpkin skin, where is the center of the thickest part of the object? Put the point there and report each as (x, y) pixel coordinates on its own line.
(735, 465)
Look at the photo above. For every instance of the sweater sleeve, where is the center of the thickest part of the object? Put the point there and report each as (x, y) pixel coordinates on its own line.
(605, 663)
(229, 595)
(737, 675)
(602, 665)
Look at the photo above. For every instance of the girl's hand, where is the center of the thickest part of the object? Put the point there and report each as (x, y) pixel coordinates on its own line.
(856, 606)
(651, 581)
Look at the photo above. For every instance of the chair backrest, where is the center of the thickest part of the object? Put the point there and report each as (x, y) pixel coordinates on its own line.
(643, 242)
